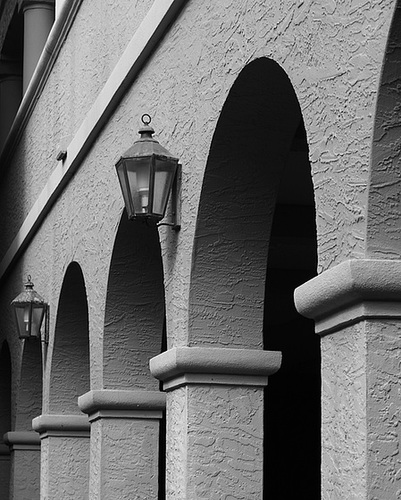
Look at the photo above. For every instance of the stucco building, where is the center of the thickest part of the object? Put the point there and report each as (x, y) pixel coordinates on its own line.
(177, 364)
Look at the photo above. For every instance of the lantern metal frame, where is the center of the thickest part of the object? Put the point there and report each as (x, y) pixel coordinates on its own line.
(149, 177)
(31, 312)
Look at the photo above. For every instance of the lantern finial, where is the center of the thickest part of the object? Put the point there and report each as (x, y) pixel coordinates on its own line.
(146, 131)
(29, 285)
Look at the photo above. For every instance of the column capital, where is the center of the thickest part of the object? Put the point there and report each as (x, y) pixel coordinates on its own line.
(34, 4)
(350, 292)
(109, 403)
(61, 426)
(214, 365)
(20, 440)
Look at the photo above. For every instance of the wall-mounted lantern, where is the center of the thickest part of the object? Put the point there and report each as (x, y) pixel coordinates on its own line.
(146, 173)
(30, 310)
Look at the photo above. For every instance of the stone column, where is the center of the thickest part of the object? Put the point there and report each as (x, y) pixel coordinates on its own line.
(4, 471)
(65, 456)
(38, 20)
(357, 309)
(25, 464)
(214, 420)
(124, 443)
(10, 97)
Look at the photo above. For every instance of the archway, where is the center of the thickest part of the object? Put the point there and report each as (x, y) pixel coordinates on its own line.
(257, 191)
(70, 361)
(65, 430)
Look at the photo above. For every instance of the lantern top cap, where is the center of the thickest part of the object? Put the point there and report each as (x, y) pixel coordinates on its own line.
(147, 145)
(28, 296)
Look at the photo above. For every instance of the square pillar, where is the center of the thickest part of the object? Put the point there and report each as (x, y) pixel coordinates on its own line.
(214, 420)
(65, 456)
(124, 443)
(357, 310)
(25, 464)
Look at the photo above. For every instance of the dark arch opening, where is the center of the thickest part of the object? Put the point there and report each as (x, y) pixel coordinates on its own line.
(70, 374)
(5, 389)
(257, 192)
(293, 414)
(5, 418)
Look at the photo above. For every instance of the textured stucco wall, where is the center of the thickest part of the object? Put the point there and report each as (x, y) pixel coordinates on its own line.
(217, 447)
(25, 473)
(383, 408)
(64, 468)
(344, 432)
(124, 458)
(332, 53)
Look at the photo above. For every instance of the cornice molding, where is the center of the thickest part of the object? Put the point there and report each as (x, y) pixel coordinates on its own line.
(22, 440)
(350, 292)
(61, 425)
(108, 403)
(212, 365)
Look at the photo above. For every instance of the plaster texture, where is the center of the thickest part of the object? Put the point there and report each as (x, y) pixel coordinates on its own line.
(25, 473)
(214, 442)
(124, 458)
(64, 467)
(124, 442)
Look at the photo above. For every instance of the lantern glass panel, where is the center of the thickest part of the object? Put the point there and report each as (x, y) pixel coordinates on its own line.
(163, 179)
(23, 315)
(37, 318)
(138, 173)
(125, 188)
(29, 319)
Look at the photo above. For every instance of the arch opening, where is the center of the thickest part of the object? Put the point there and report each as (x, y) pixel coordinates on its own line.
(250, 145)
(70, 373)
(255, 242)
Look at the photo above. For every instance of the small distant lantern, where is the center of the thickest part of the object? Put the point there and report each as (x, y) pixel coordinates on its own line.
(30, 309)
(146, 173)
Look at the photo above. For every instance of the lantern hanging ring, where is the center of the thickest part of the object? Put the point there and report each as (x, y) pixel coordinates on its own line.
(146, 119)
